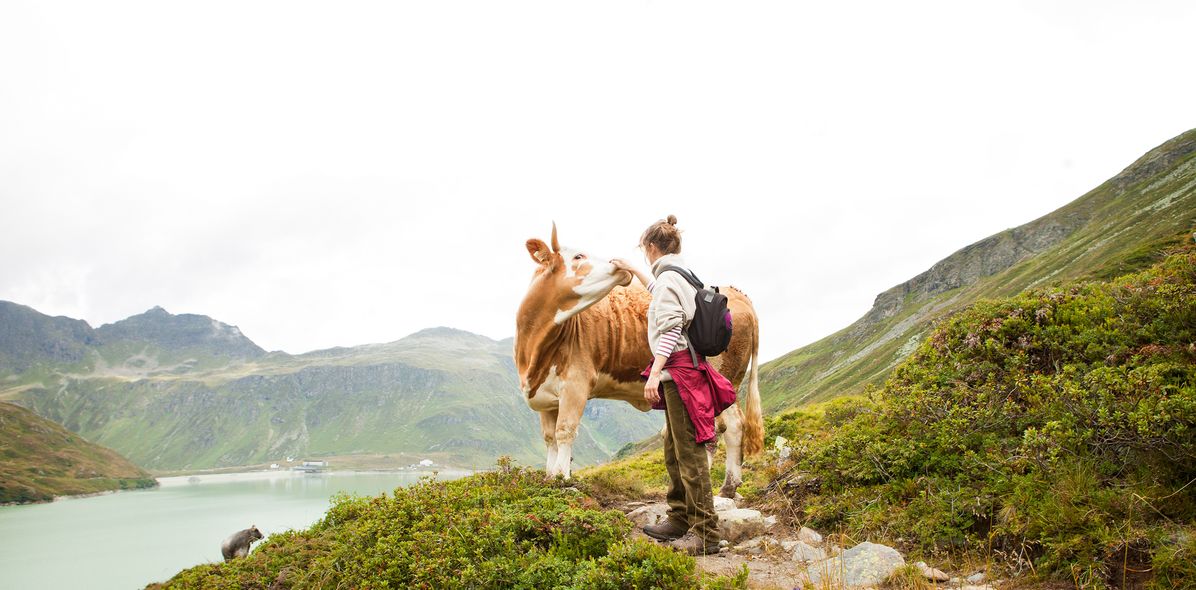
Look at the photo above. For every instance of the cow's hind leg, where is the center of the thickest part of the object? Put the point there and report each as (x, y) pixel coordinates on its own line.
(733, 437)
(548, 428)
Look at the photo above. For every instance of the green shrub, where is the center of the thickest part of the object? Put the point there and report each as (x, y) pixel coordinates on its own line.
(1174, 564)
(510, 528)
(1057, 427)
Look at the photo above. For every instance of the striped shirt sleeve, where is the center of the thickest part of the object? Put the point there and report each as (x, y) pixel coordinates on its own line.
(668, 342)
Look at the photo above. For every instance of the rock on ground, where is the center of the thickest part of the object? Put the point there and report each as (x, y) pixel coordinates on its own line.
(650, 514)
(866, 564)
(804, 552)
(810, 536)
(735, 524)
(740, 523)
(930, 573)
(753, 546)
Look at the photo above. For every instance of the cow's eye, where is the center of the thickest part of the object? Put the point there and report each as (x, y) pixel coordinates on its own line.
(580, 257)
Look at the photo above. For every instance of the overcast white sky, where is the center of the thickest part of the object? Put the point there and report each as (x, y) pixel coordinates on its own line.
(338, 173)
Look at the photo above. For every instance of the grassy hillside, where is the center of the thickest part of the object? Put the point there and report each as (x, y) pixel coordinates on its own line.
(187, 392)
(40, 459)
(1052, 433)
(1058, 426)
(1115, 228)
(508, 528)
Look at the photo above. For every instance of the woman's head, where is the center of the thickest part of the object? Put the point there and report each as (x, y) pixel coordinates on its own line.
(663, 237)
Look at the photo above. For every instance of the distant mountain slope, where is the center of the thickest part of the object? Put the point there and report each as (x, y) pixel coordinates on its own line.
(40, 459)
(188, 338)
(187, 392)
(1117, 227)
(29, 338)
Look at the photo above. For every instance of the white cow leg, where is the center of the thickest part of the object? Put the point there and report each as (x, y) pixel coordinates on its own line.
(548, 429)
(734, 439)
(572, 404)
(564, 460)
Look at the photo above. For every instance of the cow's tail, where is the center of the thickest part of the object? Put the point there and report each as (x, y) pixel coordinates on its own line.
(753, 423)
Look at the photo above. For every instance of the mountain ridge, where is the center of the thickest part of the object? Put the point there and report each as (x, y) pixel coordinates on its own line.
(158, 388)
(1117, 227)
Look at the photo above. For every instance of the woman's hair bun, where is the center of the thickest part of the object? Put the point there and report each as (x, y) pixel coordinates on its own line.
(664, 235)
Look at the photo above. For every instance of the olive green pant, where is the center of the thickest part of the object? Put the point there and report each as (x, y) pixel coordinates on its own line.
(690, 497)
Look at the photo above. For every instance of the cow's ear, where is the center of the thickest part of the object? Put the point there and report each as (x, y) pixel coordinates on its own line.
(539, 251)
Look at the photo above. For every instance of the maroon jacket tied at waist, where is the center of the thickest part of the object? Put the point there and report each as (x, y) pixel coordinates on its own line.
(703, 390)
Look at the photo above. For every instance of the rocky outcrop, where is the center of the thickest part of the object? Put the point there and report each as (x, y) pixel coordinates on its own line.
(1003, 250)
(1156, 161)
(981, 259)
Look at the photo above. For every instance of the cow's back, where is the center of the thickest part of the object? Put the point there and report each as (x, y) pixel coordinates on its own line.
(617, 334)
(733, 363)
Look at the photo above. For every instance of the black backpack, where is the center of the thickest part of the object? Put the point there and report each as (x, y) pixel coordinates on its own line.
(709, 331)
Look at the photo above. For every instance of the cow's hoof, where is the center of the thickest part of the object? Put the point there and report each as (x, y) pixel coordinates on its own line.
(728, 491)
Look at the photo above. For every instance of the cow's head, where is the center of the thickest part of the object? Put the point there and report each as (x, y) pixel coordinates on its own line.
(567, 280)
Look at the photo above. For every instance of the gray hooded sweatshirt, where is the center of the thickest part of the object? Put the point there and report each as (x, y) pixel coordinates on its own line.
(672, 302)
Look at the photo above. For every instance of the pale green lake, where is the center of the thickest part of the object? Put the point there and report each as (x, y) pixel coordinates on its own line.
(130, 539)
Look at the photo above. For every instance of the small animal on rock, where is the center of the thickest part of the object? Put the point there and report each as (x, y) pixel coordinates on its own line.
(237, 545)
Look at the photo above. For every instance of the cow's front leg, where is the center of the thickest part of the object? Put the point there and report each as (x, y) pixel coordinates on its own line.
(568, 420)
(548, 428)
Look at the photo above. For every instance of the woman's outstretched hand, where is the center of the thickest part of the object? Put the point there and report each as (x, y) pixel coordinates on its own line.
(623, 265)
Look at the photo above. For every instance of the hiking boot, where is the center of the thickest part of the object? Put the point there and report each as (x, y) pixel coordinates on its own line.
(666, 530)
(692, 544)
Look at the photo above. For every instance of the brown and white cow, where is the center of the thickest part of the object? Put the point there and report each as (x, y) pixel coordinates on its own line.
(582, 332)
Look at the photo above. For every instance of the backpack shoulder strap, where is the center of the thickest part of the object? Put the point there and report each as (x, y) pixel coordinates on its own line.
(689, 276)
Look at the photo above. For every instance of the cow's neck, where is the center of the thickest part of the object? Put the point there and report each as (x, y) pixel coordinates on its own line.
(542, 345)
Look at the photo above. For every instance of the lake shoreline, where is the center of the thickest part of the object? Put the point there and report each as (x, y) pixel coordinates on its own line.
(361, 462)
(62, 497)
(214, 475)
(119, 541)
(272, 474)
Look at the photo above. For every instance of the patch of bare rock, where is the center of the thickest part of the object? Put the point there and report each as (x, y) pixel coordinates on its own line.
(778, 557)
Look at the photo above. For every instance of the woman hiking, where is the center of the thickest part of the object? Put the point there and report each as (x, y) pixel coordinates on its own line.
(687, 393)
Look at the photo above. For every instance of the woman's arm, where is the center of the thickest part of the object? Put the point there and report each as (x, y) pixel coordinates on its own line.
(667, 341)
(621, 264)
(663, 351)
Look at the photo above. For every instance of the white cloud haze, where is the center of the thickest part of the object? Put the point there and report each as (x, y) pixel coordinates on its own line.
(326, 174)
